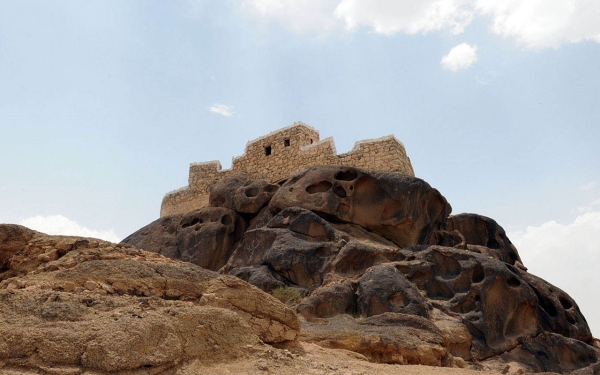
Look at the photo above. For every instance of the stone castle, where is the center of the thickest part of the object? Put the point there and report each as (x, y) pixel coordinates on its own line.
(280, 154)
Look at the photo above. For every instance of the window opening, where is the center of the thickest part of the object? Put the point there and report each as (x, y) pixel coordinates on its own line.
(268, 150)
(286, 142)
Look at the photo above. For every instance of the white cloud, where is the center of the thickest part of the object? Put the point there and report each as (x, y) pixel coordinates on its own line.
(588, 186)
(298, 15)
(567, 256)
(534, 24)
(461, 56)
(487, 78)
(222, 109)
(60, 225)
(391, 16)
(592, 206)
(538, 24)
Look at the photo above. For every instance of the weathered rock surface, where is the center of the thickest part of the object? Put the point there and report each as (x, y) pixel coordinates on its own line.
(70, 304)
(382, 269)
(404, 209)
(242, 194)
(205, 237)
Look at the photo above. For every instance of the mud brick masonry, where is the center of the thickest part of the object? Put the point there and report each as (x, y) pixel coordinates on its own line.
(282, 153)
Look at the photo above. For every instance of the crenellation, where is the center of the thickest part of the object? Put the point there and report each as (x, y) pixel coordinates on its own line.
(278, 155)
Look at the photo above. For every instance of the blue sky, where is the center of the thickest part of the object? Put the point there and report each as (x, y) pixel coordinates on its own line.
(103, 105)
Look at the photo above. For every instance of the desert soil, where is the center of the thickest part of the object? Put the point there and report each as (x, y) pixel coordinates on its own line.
(312, 359)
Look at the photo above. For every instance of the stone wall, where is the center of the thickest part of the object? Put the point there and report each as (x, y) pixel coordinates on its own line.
(280, 154)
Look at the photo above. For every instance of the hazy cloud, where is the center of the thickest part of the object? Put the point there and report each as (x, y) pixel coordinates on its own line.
(592, 206)
(588, 186)
(460, 57)
(222, 109)
(487, 78)
(540, 24)
(411, 17)
(60, 225)
(298, 15)
(568, 256)
(534, 24)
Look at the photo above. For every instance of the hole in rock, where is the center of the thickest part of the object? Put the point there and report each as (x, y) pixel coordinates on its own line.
(402, 268)
(546, 304)
(438, 290)
(571, 319)
(512, 281)
(321, 187)
(397, 300)
(512, 258)
(565, 302)
(346, 176)
(251, 192)
(323, 251)
(478, 275)
(340, 192)
(226, 220)
(194, 221)
(343, 208)
(420, 278)
(219, 201)
(446, 267)
(462, 283)
(513, 270)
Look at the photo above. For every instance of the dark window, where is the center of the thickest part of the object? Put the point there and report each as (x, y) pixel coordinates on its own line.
(311, 141)
(268, 150)
(286, 142)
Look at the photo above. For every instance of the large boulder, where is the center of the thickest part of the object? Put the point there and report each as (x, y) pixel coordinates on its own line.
(482, 234)
(241, 193)
(404, 209)
(79, 304)
(204, 237)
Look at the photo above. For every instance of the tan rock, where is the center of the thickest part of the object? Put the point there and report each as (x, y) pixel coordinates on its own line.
(105, 308)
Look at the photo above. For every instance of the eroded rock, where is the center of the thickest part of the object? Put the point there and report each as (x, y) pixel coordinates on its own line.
(205, 237)
(241, 194)
(87, 304)
(404, 209)
(383, 270)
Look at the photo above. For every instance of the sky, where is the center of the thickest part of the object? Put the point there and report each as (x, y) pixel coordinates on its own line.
(104, 104)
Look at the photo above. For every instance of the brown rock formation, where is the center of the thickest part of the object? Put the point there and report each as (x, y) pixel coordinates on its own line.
(383, 270)
(204, 237)
(404, 209)
(71, 304)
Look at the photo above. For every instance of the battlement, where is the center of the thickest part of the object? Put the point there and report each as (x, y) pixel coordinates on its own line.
(282, 153)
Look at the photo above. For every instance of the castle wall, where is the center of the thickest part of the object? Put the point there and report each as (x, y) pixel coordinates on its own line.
(278, 155)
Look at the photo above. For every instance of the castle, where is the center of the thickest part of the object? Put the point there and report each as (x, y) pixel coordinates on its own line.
(280, 154)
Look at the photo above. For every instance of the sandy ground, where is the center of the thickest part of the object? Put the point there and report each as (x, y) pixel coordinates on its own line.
(313, 359)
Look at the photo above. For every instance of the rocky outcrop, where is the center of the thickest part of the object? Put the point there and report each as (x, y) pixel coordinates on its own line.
(382, 269)
(404, 209)
(204, 237)
(71, 304)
